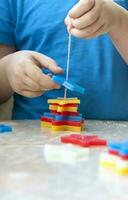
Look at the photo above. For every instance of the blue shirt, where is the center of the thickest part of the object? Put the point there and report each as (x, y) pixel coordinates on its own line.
(38, 25)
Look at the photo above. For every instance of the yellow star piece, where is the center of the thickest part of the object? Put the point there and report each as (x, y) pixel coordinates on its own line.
(123, 171)
(66, 128)
(115, 163)
(107, 164)
(46, 124)
(62, 101)
(107, 160)
(62, 109)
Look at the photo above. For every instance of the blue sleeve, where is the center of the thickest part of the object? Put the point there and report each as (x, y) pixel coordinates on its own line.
(6, 24)
(123, 3)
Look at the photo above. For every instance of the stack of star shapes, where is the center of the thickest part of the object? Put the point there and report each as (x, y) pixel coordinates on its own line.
(63, 116)
(116, 158)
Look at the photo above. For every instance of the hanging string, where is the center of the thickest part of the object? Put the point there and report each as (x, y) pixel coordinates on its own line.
(68, 64)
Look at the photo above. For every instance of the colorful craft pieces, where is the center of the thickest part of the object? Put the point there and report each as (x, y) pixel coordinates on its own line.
(63, 116)
(116, 158)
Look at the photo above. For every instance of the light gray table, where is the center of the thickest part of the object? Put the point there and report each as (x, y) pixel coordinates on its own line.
(24, 174)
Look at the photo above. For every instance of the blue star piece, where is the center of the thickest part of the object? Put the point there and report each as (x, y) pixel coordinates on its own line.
(120, 147)
(70, 86)
(5, 128)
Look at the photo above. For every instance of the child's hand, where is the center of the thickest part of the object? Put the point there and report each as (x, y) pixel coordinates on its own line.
(24, 74)
(91, 18)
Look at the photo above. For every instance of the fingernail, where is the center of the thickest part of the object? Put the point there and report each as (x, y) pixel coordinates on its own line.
(60, 68)
(69, 28)
(57, 87)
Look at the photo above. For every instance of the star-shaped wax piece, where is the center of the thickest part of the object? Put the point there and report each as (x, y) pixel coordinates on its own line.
(83, 140)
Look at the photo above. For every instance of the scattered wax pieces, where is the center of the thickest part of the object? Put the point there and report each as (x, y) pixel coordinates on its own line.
(64, 153)
(63, 116)
(116, 158)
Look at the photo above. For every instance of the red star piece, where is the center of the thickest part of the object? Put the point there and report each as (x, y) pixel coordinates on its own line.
(84, 140)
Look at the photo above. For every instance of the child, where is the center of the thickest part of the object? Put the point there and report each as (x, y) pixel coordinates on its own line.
(28, 27)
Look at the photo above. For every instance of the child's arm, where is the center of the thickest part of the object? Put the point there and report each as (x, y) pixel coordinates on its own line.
(91, 18)
(21, 72)
(119, 34)
(5, 89)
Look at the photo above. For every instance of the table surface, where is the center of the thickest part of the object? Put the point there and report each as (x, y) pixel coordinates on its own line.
(25, 175)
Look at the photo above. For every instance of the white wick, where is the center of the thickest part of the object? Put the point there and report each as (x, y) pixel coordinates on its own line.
(68, 64)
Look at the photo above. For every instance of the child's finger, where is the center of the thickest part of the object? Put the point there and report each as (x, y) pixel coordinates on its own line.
(81, 8)
(89, 31)
(47, 84)
(86, 19)
(68, 23)
(45, 61)
(99, 32)
(28, 93)
(36, 74)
